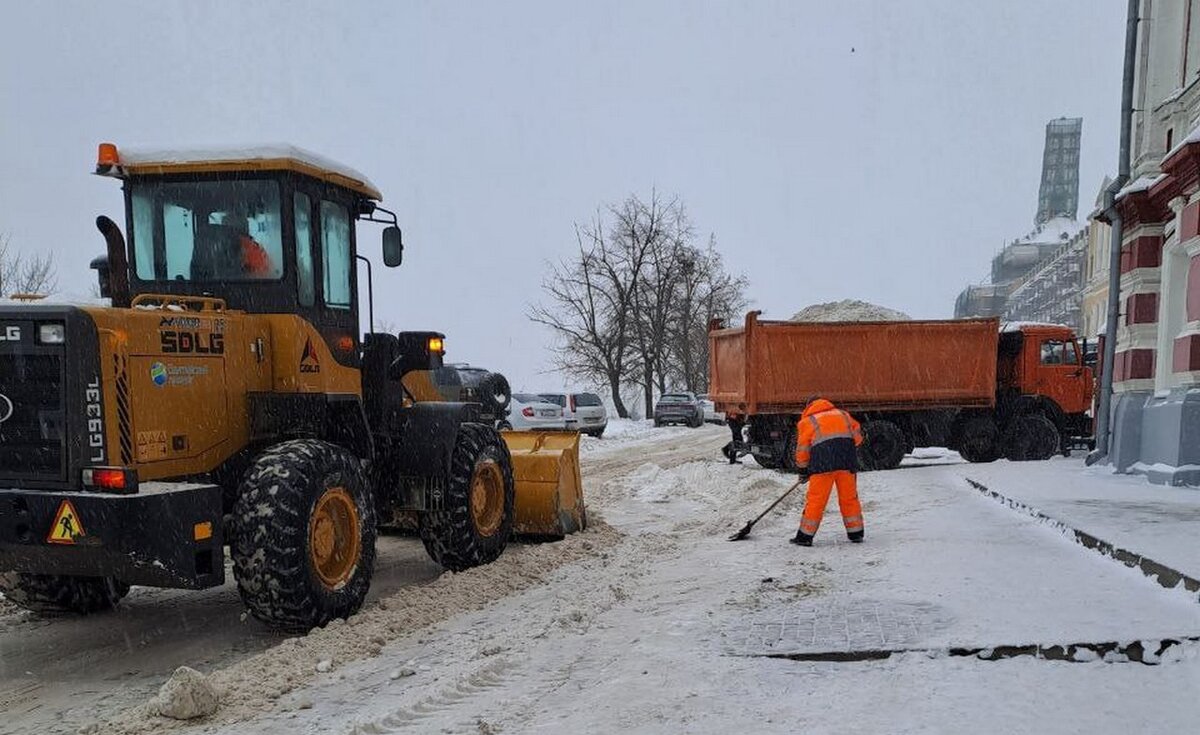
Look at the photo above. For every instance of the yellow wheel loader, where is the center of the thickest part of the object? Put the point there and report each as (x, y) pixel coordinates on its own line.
(226, 399)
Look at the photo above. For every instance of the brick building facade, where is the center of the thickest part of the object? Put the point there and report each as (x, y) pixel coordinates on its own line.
(1156, 372)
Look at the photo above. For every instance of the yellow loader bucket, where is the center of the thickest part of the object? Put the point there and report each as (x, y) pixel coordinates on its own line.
(549, 490)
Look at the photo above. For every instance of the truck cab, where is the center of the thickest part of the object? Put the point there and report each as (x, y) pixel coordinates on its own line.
(1043, 366)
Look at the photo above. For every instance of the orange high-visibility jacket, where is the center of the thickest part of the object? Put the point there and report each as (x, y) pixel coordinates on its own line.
(255, 261)
(826, 438)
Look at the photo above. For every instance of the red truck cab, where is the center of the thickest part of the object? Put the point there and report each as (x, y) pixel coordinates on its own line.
(1045, 363)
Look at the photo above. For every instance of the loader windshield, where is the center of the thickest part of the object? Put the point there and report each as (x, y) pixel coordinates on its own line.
(206, 231)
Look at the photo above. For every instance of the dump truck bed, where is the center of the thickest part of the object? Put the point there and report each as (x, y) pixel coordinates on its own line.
(775, 366)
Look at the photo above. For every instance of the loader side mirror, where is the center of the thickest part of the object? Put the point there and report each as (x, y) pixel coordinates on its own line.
(393, 247)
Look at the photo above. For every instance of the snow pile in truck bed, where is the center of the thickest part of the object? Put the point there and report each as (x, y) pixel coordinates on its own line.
(849, 310)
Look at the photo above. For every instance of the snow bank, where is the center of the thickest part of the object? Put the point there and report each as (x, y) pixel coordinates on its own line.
(255, 684)
(849, 310)
(623, 432)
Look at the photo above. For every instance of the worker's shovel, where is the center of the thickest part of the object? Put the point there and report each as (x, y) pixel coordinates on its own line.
(745, 530)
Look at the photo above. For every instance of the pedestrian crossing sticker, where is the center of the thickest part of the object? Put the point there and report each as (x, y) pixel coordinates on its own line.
(67, 528)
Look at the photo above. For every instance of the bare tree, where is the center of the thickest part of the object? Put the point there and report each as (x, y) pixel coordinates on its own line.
(632, 308)
(707, 291)
(661, 230)
(590, 309)
(21, 274)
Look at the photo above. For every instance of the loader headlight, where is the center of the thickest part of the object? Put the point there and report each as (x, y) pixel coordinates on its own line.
(52, 334)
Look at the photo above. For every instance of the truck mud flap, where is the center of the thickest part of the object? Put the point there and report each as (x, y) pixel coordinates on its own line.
(165, 535)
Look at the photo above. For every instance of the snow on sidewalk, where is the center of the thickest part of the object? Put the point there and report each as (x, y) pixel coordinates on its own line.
(1158, 521)
(662, 631)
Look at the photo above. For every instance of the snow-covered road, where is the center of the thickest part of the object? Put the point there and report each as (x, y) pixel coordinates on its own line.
(653, 622)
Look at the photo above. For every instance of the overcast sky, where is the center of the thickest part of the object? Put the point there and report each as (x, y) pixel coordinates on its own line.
(875, 150)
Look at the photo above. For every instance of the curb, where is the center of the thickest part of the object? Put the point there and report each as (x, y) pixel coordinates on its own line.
(1147, 652)
(1159, 572)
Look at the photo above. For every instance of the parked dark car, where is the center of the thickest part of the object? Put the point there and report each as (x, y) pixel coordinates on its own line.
(679, 408)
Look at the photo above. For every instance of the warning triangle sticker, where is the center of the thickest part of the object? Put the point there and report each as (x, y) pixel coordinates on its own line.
(67, 527)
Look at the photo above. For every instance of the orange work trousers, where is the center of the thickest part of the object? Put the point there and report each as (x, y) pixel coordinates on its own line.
(819, 487)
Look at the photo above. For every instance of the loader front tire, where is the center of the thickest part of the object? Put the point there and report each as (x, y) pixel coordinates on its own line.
(58, 593)
(304, 531)
(473, 526)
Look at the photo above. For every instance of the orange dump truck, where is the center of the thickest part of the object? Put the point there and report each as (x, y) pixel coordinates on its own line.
(1020, 392)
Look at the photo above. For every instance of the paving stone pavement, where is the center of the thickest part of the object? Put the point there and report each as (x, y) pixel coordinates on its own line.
(837, 625)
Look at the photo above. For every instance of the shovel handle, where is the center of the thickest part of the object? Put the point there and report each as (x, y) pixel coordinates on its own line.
(779, 500)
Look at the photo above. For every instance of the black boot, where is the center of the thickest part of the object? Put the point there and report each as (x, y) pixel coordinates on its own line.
(856, 537)
(801, 539)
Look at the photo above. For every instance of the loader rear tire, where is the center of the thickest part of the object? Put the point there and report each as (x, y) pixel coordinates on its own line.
(58, 593)
(304, 531)
(476, 521)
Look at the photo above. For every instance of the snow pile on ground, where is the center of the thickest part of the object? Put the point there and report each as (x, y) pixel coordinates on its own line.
(652, 483)
(623, 432)
(628, 428)
(849, 310)
(255, 684)
(188, 694)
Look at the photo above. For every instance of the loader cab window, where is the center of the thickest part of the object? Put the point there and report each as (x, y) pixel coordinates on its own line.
(335, 254)
(206, 231)
(306, 284)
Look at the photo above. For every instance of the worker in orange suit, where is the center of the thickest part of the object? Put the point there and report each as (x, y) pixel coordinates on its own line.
(827, 439)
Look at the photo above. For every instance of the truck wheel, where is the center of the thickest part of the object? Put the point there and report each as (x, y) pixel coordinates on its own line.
(977, 440)
(766, 461)
(696, 422)
(57, 593)
(474, 526)
(1047, 440)
(882, 447)
(1024, 438)
(303, 535)
(787, 462)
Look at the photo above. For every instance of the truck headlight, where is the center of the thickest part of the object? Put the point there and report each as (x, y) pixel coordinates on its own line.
(52, 334)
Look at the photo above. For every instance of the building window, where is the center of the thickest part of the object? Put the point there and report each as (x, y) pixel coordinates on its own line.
(1170, 138)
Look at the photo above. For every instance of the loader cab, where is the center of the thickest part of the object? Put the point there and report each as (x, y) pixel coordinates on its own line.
(269, 230)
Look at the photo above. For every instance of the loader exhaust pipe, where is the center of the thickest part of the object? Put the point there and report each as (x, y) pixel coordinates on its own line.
(117, 265)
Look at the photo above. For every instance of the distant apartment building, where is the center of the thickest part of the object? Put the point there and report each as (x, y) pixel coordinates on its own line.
(1156, 409)
(1055, 225)
(1052, 292)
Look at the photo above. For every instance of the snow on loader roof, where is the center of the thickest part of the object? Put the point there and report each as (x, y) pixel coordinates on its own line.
(270, 156)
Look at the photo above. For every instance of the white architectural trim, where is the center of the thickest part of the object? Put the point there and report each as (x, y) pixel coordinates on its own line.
(1137, 337)
(1131, 386)
(1172, 305)
(1140, 280)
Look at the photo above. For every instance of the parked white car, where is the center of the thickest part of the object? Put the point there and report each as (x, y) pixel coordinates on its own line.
(584, 412)
(529, 412)
(711, 414)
